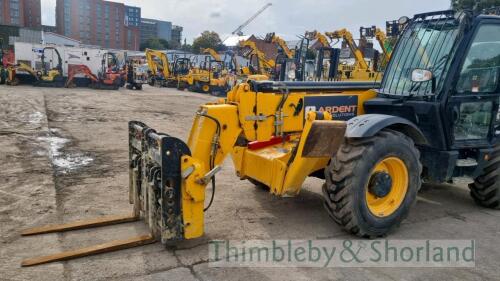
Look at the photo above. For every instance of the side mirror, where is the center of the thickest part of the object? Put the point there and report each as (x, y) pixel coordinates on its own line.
(421, 75)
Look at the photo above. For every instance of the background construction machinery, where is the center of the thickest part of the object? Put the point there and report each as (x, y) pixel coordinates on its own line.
(361, 70)
(51, 74)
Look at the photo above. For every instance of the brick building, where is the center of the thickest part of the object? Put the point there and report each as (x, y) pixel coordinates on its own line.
(24, 13)
(97, 22)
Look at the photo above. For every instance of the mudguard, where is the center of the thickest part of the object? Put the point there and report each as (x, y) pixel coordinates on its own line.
(369, 125)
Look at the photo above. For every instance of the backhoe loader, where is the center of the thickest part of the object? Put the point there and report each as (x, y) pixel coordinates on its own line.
(212, 77)
(45, 77)
(360, 71)
(434, 117)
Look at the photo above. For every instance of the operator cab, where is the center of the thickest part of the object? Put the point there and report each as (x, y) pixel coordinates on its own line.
(444, 77)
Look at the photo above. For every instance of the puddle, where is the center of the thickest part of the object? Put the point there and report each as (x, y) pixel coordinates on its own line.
(64, 161)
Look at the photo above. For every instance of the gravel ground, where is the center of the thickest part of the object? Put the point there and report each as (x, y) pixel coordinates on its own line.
(63, 157)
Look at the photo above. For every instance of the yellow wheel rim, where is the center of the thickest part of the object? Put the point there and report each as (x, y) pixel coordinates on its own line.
(386, 205)
(206, 88)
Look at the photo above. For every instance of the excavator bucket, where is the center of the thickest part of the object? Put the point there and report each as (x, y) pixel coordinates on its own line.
(155, 191)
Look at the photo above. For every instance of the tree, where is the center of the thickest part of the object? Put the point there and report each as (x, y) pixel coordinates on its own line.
(208, 39)
(155, 44)
(475, 5)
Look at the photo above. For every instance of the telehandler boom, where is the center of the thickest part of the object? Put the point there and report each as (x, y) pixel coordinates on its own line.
(434, 117)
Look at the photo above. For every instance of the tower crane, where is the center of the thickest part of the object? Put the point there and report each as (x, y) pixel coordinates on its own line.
(239, 31)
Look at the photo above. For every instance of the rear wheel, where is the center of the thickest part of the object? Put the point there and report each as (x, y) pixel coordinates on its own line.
(486, 188)
(372, 183)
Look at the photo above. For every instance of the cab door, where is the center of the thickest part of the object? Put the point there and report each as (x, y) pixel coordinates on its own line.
(473, 108)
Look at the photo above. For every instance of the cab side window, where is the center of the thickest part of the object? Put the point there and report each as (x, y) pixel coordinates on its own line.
(481, 69)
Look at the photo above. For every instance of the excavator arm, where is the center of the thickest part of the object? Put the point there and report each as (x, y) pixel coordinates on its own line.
(163, 67)
(315, 35)
(82, 70)
(14, 68)
(348, 38)
(212, 53)
(273, 38)
(265, 65)
(382, 40)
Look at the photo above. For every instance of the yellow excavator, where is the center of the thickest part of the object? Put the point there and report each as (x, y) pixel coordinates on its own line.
(239, 73)
(373, 144)
(259, 64)
(275, 39)
(360, 71)
(287, 62)
(160, 70)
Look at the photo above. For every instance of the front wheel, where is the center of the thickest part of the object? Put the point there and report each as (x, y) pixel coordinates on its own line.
(486, 188)
(372, 183)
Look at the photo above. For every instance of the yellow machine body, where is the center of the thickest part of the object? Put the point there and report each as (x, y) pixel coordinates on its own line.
(204, 79)
(306, 142)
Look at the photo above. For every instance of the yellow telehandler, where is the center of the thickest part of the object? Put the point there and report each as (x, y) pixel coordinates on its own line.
(434, 117)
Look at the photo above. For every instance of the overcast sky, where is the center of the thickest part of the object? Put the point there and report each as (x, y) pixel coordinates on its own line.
(288, 18)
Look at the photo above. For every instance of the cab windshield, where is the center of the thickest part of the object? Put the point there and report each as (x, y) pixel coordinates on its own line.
(429, 42)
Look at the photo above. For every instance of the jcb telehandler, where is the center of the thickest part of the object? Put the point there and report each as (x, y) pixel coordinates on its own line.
(434, 117)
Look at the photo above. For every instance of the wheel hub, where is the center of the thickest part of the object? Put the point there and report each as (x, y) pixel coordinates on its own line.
(380, 184)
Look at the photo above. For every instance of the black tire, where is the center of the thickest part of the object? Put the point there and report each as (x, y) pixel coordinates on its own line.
(349, 173)
(486, 188)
